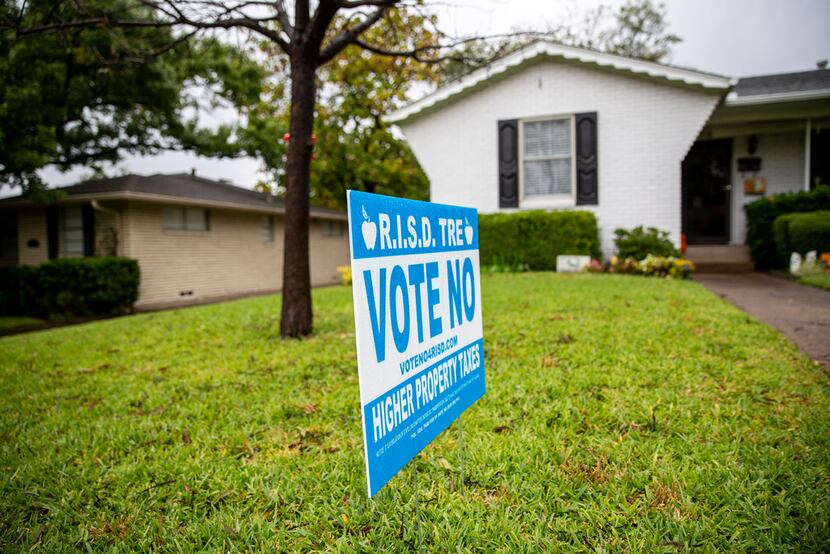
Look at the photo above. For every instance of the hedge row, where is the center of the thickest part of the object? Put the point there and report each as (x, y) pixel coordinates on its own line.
(802, 232)
(535, 238)
(70, 287)
(762, 213)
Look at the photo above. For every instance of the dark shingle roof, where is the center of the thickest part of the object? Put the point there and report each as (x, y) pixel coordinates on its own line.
(186, 186)
(818, 79)
(179, 185)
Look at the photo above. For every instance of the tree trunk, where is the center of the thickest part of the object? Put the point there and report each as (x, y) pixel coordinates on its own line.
(296, 317)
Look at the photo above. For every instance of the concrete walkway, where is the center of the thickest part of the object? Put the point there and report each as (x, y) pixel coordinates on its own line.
(800, 312)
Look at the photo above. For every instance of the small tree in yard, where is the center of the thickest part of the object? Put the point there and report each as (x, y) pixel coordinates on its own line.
(310, 37)
(354, 148)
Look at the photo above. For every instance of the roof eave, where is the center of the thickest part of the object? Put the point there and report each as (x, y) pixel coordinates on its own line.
(778, 97)
(533, 51)
(167, 199)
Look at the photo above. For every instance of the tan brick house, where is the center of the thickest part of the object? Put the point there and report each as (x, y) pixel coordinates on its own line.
(195, 239)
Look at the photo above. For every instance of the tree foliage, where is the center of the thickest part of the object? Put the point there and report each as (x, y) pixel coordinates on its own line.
(640, 31)
(637, 29)
(84, 95)
(354, 148)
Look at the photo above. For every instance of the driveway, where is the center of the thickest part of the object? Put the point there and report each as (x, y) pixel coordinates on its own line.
(800, 312)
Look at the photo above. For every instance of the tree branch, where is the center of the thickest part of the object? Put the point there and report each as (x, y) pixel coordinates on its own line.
(348, 4)
(282, 16)
(418, 53)
(174, 17)
(350, 36)
(301, 15)
(323, 15)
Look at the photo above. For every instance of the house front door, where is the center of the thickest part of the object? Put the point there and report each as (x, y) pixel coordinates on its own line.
(707, 189)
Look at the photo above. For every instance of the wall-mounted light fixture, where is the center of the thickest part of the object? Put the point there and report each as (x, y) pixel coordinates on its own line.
(752, 145)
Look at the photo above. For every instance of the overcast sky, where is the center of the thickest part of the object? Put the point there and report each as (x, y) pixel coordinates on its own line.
(731, 37)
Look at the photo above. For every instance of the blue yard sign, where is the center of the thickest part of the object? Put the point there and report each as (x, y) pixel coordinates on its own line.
(417, 309)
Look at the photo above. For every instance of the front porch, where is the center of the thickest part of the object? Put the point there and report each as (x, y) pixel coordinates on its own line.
(720, 258)
(752, 146)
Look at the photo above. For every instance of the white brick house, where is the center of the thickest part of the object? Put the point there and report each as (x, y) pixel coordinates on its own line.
(556, 127)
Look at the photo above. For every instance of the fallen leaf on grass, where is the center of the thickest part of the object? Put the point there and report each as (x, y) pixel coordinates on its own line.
(119, 530)
(94, 369)
(549, 360)
(230, 530)
(311, 408)
(186, 436)
(344, 518)
(444, 463)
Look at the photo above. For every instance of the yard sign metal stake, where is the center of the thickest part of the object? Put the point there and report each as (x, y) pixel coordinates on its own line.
(417, 510)
(461, 458)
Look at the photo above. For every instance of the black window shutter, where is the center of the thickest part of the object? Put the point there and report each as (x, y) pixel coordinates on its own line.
(509, 163)
(52, 231)
(88, 218)
(587, 192)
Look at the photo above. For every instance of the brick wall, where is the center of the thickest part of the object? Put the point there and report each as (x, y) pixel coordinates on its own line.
(230, 258)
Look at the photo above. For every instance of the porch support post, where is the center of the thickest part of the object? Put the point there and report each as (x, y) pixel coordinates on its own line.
(808, 132)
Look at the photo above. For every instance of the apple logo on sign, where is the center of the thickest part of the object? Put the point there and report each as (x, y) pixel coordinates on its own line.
(369, 230)
(468, 231)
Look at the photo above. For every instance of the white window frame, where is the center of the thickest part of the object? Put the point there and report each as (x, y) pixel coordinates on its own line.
(268, 225)
(330, 224)
(63, 221)
(548, 200)
(184, 226)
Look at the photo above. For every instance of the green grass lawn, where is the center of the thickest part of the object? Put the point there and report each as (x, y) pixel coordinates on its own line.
(820, 280)
(8, 323)
(622, 414)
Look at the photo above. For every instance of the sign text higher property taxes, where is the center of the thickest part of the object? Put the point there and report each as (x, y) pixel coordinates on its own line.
(417, 301)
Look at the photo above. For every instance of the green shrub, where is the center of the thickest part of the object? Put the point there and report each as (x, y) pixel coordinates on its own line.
(10, 278)
(70, 287)
(810, 231)
(781, 232)
(533, 239)
(639, 242)
(762, 213)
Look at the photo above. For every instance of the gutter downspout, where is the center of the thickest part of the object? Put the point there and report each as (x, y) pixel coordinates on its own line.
(115, 213)
(807, 148)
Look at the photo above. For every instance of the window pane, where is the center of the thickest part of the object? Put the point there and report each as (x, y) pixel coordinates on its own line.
(72, 218)
(73, 241)
(196, 219)
(173, 217)
(547, 138)
(268, 228)
(73, 230)
(332, 228)
(547, 177)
